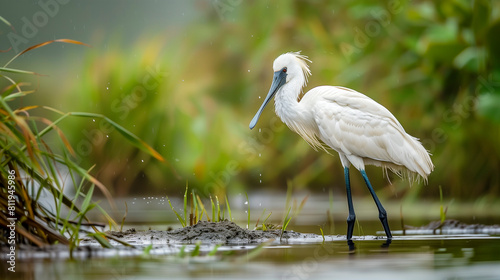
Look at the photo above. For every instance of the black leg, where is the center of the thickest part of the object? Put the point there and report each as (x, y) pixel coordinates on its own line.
(381, 211)
(352, 216)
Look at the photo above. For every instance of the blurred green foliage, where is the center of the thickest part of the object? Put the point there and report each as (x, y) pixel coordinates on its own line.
(191, 95)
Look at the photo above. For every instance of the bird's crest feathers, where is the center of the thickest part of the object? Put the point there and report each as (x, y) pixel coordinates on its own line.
(302, 60)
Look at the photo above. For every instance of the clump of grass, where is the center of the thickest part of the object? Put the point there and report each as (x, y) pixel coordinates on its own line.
(197, 209)
(30, 165)
(264, 226)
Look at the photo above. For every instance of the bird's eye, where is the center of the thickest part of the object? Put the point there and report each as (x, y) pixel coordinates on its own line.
(284, 70)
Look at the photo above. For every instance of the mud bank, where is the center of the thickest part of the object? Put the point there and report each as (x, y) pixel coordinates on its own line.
(209, 232)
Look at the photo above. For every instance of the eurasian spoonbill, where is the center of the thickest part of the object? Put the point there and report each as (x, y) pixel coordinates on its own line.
(362, 131)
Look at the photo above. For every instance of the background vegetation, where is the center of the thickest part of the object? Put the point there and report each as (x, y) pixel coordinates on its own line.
(190, 88)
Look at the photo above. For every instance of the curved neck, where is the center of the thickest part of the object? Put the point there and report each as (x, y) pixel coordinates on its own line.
(286, 101)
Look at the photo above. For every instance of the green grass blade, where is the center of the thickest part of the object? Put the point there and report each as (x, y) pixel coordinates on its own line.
(213, 208)
(195, 207)
(196, 250)
(147, 250)
(86, 201)
(2, 19)
(181, 220)
(132, 138)
(322, 234)
(185, 203)
(269, 215)
(228, 209)
(218, 209)
(214, 250)
(17, 71)
(101, 239)
(260, 217)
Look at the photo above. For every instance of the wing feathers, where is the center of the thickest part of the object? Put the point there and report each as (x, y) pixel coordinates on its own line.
(358, 127)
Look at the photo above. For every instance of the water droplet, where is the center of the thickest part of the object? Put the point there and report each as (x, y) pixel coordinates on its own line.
(260, 204)
(249, 70)
(259, 97)
(133, 202)
(246, 202)
(107, 136)
(107, 87)
(260, 181)
(260, 174)
(93, 120)
(260, 129)
(142, 160)
(260, 155)
(176, 159)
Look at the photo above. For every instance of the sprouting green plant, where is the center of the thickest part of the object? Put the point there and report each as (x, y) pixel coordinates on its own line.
(264, 227)
(218, 209)
(260, 217)
(182, 251)
(203, 210)
(228, 209)
(194, 210)
(214, 210)
(286, 221)
(214, 250)
(196, 250)
(322, 234)
(146, 251)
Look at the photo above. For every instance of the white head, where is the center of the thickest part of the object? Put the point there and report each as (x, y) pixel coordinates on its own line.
(291, 66)
(296, 65)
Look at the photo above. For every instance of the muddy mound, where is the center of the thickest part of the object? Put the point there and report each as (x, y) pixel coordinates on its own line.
(207, 232)
(225, 231)
(454, 227)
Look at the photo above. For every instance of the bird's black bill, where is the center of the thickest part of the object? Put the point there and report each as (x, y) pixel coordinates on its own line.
(279, 80)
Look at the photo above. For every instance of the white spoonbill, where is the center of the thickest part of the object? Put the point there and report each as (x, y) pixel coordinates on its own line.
(361, 130)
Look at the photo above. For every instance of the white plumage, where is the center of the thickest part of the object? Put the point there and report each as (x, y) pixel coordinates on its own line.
(361, 130)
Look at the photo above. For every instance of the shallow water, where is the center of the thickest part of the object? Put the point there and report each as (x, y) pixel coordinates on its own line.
(416, 256)
(427, 257)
